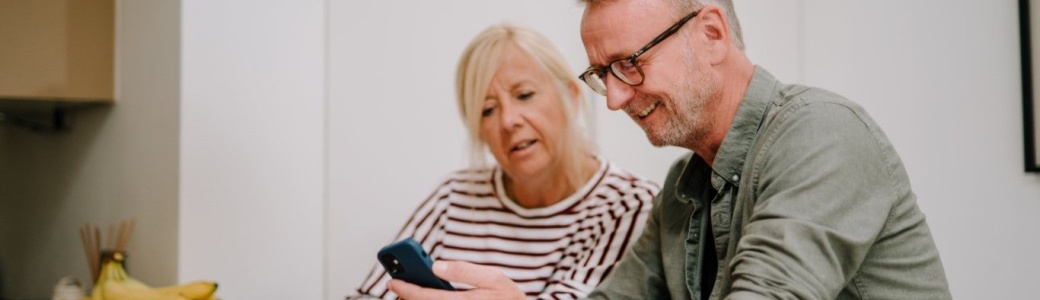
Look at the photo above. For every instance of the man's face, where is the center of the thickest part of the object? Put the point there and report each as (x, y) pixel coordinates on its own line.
(672, 105)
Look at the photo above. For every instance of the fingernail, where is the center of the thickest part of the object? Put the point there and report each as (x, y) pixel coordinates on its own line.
(439, 267)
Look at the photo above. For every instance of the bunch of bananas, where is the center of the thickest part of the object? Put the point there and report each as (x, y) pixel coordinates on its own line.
(114, 284)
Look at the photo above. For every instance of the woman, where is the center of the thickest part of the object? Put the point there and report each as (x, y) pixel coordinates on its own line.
(551, 214)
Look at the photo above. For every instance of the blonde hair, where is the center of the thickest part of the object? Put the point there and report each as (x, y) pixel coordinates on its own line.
(478, 64)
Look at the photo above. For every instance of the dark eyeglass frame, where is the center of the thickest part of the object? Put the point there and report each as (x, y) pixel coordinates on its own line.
(597, 73)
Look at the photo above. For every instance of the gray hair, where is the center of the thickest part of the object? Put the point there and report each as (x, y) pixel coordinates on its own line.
(686, 6)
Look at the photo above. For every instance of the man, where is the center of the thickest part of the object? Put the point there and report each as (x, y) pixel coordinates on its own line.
(792, 192)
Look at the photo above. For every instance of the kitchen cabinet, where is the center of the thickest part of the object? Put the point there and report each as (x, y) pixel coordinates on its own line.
(57, 49)
(54, 55)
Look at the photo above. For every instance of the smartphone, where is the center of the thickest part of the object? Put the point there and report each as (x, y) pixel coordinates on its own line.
(406, 260)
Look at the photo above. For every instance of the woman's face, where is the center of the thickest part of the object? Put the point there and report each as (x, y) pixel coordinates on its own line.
(523, 119)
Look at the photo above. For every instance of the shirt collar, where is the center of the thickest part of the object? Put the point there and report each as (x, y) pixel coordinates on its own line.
(693, 181)
(729, 161)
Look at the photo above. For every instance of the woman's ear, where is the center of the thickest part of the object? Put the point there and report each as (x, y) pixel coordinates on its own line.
(575, 91)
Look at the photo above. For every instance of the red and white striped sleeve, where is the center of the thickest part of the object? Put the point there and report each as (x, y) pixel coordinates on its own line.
(421, 226)
(616, 225)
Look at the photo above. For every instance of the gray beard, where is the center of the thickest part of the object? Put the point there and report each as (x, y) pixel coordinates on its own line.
(691, 110)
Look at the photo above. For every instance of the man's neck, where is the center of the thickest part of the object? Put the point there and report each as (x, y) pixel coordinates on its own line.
(736, 77)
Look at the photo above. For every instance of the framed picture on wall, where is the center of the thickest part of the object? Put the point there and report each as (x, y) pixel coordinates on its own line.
(1030, 34)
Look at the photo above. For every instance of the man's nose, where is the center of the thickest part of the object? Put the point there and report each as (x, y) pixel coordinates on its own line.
(618, 93)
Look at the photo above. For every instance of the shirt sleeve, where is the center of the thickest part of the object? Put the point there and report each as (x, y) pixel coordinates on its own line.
(620, 227)
(640, 273)
(824, 193)
(421, 227)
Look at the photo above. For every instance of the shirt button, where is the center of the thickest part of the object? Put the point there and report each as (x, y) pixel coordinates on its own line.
(736, 177)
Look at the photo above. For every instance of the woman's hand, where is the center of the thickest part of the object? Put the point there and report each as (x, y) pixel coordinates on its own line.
(488, 283)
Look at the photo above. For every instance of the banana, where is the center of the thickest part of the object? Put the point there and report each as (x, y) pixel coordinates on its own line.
(120, 291)
(197, 290)
(113, 272)
(108, 274)
(114, 284)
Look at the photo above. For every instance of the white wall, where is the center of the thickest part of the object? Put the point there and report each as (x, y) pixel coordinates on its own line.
(941, 77)
(252, 147)
(115, 163)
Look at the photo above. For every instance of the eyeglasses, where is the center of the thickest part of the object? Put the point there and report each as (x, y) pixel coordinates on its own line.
(626, 69)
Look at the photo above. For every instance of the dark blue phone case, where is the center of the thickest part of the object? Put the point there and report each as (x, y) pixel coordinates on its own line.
(406, 260)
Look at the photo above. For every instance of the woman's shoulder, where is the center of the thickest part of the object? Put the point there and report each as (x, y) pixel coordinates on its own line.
(472, 175)
(617, 171)
(616, 184)
(466, 181)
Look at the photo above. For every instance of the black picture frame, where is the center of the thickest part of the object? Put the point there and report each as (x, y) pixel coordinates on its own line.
(1030, 110)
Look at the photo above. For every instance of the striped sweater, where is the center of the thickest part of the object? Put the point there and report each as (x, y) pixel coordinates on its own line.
(557, 252)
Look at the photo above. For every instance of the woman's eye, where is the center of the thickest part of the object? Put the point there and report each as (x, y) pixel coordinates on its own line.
(525, 95)
(488, 111)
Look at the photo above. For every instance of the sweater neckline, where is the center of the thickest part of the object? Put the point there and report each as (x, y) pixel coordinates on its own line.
(500, 191)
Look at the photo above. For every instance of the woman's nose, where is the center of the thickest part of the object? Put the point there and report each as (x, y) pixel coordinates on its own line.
(512, 117)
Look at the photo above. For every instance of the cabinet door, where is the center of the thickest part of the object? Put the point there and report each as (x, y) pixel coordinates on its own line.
(57, 49)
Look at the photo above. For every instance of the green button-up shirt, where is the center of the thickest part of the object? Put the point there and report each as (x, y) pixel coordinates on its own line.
(806, 199)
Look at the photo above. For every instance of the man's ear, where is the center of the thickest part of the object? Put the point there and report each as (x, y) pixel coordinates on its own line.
(715, 27)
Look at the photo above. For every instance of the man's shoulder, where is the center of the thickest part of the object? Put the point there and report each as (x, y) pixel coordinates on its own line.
(813, 115)
(807, 95)
(827, 125)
